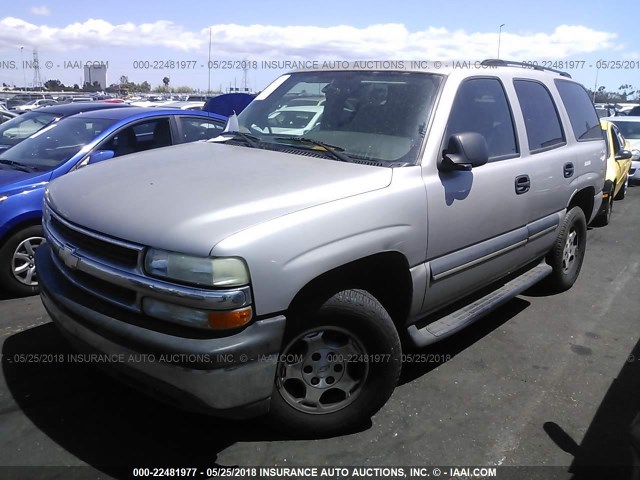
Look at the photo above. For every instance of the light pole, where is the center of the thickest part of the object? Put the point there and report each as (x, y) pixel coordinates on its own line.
(24, 75)
(499, 35)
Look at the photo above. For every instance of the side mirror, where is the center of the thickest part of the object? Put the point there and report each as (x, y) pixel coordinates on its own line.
(623, 155)
(464, 151)
(100, 155)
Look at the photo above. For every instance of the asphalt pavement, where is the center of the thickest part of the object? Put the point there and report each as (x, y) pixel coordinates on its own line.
(547, 382)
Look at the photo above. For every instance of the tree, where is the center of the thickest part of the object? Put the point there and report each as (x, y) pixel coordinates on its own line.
(625, 90)
(124, 80)
(165, 80)
(55, 85)
(144, 87)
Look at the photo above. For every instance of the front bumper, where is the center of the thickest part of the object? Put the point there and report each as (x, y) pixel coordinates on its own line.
(230, 376)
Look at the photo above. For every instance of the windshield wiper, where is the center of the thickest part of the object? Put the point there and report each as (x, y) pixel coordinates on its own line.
(16, 165)
(249, 139)
(334, 150)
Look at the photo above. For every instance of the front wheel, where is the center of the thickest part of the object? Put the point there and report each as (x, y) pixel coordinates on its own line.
(338, 368)
(17, 264)
(568, 253)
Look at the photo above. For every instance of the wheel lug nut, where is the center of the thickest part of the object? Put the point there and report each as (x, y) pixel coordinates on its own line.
(330, 380)
(307, 369)
(315, 381)
(316, 356)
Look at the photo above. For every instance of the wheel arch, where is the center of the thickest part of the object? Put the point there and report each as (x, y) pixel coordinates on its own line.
(22, 223)
(384, 275)
(584, 200)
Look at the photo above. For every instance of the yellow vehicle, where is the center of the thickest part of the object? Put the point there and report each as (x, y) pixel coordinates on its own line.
(617, 176)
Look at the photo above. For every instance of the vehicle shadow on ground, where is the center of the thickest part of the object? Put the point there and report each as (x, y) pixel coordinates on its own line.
(605, 451)
(105, 423)
(429, 358)
(8, 296)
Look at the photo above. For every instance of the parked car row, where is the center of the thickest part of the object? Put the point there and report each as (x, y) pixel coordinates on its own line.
(44, 144)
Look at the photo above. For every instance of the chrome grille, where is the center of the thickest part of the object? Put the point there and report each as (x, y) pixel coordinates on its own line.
(95, 246)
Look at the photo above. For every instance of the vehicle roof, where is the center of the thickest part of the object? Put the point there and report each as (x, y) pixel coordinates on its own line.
(142, 112)
(623, 118)
(65, 109)
(448, 68)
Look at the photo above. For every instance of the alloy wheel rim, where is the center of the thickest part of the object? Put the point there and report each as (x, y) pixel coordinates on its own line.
(23, 264)
(322, 370)
(570, 251)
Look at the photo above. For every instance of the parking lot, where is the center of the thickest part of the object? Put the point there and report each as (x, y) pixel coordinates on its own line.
(544, 381)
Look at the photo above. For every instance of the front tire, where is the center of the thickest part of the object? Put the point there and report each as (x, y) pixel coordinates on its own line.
(567, 255)
(17, 267)
(337, 368)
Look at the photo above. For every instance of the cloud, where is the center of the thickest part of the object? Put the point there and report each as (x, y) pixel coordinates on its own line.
(340, 42)
(41, 11)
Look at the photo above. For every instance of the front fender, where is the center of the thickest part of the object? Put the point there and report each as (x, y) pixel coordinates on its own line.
(286, 253)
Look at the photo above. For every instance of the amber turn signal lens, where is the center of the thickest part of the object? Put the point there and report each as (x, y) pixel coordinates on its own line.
(230, 319)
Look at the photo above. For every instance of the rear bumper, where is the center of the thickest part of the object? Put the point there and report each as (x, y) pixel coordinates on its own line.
(229, 376)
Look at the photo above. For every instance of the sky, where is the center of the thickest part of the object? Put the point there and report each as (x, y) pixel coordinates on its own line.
(147, 41)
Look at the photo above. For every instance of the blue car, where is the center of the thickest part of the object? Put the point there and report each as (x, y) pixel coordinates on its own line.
(64, 146)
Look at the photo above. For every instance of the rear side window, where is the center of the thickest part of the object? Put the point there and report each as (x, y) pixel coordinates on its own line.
(541, 120)
(582, 114)
(481, 106)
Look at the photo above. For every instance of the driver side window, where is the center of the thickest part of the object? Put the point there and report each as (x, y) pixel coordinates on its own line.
(481, 106)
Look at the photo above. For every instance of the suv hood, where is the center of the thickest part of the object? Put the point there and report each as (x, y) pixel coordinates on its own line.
(189, 197)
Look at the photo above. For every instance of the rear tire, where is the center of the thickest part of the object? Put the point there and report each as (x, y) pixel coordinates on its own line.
(17, 267)
(567, 255)
(337, 368)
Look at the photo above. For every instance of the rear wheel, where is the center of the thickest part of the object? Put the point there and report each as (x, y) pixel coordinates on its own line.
(338, 368)
(17, 264)
(567, 255)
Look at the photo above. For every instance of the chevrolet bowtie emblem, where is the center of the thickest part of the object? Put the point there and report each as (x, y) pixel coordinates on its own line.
(68, 255)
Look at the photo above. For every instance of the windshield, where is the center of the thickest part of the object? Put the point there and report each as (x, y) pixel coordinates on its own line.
(19, 128)
(375, 116)
(630, 130)
(57, 143)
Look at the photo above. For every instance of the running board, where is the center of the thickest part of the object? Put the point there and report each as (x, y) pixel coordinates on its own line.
(471, 312)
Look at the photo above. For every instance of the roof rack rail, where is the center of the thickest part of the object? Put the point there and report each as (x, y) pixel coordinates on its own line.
(495, 62)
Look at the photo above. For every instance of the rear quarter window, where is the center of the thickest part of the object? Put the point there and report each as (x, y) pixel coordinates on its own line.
(582, 114)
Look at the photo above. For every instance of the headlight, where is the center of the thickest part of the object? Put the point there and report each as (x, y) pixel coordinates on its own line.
(212, 272)
(635, 155)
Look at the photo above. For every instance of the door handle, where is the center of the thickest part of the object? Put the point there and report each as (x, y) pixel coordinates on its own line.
(523, 184)
(568, 170)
